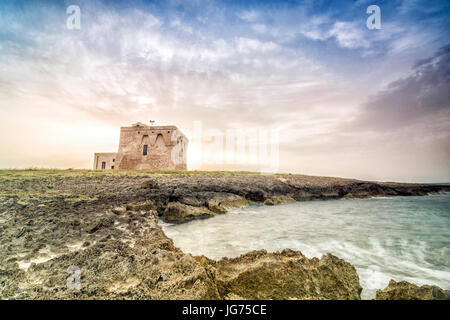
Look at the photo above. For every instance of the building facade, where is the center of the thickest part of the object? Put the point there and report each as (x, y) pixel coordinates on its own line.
(146, 147)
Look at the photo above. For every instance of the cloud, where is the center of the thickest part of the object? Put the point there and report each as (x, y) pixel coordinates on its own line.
(249, 15)
(344, 25)
(124, 64)
(176, 23)
(281, 67)
(247, 45)
(424, 96)
(349, 35)
(260, 28)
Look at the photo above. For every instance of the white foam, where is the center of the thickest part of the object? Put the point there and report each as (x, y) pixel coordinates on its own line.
(384, 240)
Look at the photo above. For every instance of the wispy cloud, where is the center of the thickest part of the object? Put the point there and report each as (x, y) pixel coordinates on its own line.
(305, 68)
(349, 35)
(248, 15)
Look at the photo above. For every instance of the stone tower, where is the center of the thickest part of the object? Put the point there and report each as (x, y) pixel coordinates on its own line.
(146, 147)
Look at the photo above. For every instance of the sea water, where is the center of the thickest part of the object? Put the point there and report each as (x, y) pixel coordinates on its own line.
(400, 238)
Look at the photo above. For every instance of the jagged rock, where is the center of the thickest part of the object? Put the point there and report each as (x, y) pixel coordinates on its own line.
(145, 264)
(126, 255)
(193, 201)
(404, 290)
(150, 184)
(287, 275)
(221, 202)
(119, 210)
(232, 296)
(102, 223)
(203, 190)
(144, 206)
(178, 212)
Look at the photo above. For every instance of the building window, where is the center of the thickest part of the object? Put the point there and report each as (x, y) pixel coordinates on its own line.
(103, 165)
(145, 150)
(112, 167)
(114, 160)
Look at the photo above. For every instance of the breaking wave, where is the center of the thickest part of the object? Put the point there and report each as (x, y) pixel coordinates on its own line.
(400, 238)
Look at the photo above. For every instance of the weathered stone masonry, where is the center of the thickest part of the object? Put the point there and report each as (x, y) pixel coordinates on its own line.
(146, 147)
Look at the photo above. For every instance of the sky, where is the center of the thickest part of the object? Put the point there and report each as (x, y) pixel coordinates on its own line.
(344, 100)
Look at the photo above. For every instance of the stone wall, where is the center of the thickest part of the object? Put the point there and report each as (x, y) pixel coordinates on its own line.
(147, 147)
(108, 158)
(151, 147)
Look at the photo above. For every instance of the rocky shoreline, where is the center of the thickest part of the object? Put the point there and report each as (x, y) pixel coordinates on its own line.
(106, 226)
(203, 196)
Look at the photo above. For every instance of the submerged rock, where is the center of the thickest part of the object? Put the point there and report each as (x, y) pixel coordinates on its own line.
(404, 290)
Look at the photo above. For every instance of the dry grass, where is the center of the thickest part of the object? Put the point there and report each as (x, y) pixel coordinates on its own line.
(36, 173)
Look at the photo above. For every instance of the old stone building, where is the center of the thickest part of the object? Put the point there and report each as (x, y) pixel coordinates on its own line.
(146, 147)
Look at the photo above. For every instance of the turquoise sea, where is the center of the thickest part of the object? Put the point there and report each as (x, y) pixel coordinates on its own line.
(400, 238)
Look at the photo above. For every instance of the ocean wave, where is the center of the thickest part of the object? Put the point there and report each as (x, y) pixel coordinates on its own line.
(400, 238)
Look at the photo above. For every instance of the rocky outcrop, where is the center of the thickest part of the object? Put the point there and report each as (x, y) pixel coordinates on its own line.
(106, 226)
(203, 205)
(286, 275)
(403, 290)
(222, 202)
(143, 263)
(218, 192)
(179, 212)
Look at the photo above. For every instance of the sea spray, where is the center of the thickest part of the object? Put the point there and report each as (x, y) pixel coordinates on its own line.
(400, 238)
